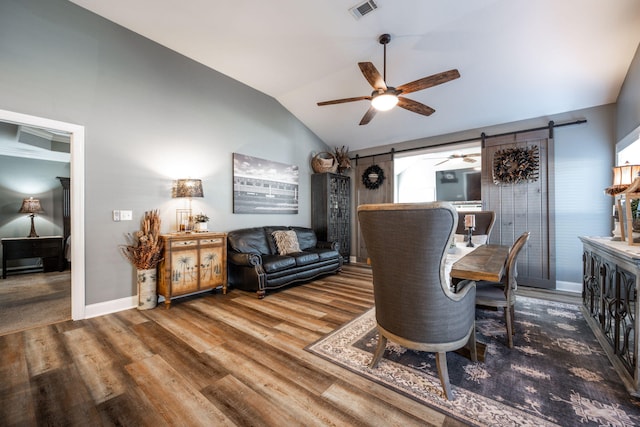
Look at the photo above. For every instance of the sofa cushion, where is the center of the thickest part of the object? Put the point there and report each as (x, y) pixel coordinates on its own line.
(324, 254)
(305, 258)
(272, 263)
(286, 242)
(306, 237)
(249, 240)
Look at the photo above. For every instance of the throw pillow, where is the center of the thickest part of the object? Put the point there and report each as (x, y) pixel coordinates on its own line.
(286, 241)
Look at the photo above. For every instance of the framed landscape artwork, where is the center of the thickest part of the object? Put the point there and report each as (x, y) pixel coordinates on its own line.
(263, 186)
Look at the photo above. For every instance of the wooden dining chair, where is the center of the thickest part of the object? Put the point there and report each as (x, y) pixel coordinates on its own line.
(407, 245)
(484, 224)
(503, 294)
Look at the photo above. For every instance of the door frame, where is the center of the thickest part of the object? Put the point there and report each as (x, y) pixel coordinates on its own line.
(77, 199)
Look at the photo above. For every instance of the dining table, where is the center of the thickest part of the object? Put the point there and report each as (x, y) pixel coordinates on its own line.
(481, 262)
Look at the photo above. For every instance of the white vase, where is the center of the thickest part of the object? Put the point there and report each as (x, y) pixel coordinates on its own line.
(147, 294)
(201, 226)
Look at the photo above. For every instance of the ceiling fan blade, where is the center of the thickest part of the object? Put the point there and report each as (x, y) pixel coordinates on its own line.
(368, 116)
(444, 161)
(415, 106)
(427, 82)
(469, 160)
(341, 101)
(372, 75)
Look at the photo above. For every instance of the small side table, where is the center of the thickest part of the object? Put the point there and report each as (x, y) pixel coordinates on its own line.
(49, 248)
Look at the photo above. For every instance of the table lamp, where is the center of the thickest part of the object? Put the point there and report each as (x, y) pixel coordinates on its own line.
(186, 188)
(32, 207)
(623, 177)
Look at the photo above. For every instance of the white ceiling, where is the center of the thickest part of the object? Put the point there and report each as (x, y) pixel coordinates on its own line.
(518, 59)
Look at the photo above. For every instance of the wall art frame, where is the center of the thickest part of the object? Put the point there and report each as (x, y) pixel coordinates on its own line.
(262, 186)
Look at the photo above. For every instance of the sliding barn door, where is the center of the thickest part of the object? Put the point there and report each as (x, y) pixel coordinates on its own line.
(364, 195)
(524, 205)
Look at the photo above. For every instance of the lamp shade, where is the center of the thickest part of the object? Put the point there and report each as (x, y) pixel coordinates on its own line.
(623, 176)
(30, 206)
(187, 188)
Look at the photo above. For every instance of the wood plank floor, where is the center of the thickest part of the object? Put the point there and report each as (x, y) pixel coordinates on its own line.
(210, 360)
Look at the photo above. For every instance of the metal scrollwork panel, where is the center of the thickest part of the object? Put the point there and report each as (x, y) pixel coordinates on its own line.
(626, 321)
(591, 281)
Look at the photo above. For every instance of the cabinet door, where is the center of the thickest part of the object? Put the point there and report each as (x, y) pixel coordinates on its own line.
(339, 223)
(184, 268)
(625, 319)
(211, 268)
(591, 293)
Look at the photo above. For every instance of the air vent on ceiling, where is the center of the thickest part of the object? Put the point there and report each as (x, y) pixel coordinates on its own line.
(361, 9)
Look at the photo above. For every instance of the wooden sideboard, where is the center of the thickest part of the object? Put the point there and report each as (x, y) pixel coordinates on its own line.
(49, 248)
(611, 276)
(192, 262)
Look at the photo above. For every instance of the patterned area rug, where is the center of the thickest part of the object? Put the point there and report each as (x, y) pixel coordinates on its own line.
(556, 374)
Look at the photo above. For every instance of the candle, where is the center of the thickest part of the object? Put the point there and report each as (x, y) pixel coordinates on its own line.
(469, 221)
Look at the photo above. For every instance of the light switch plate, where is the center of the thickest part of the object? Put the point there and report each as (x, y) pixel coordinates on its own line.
(116, 215)
(126, 215)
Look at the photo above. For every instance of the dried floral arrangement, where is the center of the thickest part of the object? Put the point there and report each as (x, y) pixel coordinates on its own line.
(515, 165)
(342, 156)
(144, 248)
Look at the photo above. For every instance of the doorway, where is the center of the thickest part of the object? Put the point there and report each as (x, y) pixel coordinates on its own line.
(450, 173)
(76, 195)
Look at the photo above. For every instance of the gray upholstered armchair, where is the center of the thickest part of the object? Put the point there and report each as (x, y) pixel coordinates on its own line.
(407, 245)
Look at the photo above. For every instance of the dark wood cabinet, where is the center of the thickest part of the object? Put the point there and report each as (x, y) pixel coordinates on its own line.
(331, 209)
(50, 249)
(611, 277)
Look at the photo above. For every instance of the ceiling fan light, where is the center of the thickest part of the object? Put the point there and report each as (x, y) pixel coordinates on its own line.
(384, 101)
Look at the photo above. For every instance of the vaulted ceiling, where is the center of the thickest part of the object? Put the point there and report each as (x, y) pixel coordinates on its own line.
(518, 59)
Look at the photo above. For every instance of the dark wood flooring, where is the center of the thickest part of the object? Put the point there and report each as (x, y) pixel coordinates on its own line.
(210, 360)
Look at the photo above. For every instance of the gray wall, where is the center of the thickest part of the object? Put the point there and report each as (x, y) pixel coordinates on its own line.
(628, 118)
(583, 158)
(21, 178)
(150, 116)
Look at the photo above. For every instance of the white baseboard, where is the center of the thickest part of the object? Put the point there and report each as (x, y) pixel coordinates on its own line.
(112, 306)
(569, 287)
(127, 303)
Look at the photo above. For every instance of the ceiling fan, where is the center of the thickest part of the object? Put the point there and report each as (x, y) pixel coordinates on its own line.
(385, 97)
(465, 158)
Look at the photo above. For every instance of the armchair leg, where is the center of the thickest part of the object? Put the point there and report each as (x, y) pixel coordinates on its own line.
(443, 373)
(382, 344)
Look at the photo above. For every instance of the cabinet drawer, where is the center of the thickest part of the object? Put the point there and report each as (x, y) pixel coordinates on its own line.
(217, 241)
(32, 248)
(184, 243)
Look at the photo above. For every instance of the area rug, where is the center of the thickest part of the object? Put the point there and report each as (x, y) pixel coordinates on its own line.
(556, 374)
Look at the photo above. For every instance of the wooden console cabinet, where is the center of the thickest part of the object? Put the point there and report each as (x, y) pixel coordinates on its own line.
(50, 249)
(611, 277)
(192, 262)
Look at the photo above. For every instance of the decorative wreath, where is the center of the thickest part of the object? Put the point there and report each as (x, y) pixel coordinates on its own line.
(514, 165)
(373, 177)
